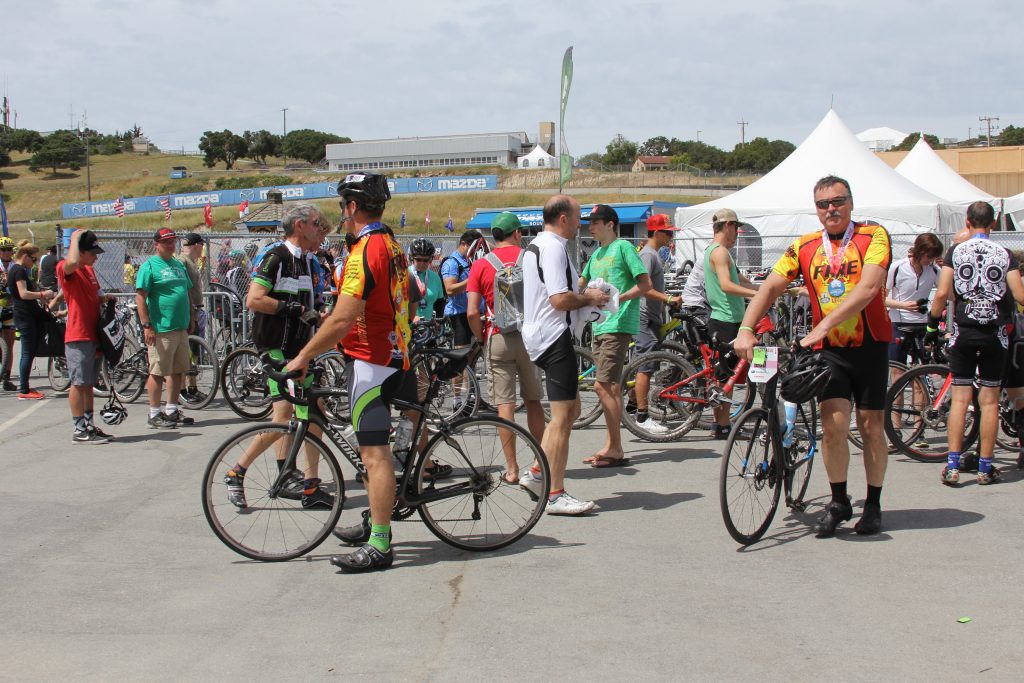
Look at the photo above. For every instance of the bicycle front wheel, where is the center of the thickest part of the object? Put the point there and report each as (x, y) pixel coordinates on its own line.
(201, 379)
(917, 414)
(669, 417)
(590, 404)
(130, 374)
(800, 454)
(245, 385)
(750, 480)
(56, 371)
(488, 509)
(264, 525)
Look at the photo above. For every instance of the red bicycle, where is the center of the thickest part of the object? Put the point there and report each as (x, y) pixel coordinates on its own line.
(678, 393)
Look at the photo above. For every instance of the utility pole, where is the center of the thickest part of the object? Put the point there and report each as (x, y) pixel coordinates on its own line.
(987, 120)
(284, 131)
(698, 135)
(743, 130)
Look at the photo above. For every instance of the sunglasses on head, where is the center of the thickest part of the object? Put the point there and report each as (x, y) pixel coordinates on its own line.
(835, 201)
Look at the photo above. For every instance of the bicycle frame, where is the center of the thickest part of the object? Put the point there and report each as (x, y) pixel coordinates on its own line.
(710, 356)
(406, 495)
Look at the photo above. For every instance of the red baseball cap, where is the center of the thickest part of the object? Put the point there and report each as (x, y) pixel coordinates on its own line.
(658, 222)
(165, 234)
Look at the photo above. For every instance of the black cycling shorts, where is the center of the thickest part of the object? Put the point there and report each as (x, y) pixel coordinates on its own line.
(977, 351)
(561, 373)
(725, 333)
(860, 373)
(900, 348)
(461, 334)
(371, 389)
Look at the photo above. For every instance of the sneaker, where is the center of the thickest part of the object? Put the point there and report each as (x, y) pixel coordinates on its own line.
(565, 504)
(835, 513)
(990, 477)
(365, 559)
(30, 395)
(532, 483)
(236, 489)
(721, 433)
(10, 386)
(652, 426)
(180, 418)
(319, 498)
(193, 395)
(950, 477)
(161, 421)
(84, 436)
(100, 433)
(870, 520)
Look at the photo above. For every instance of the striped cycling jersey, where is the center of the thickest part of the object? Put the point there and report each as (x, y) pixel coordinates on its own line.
(286, 274)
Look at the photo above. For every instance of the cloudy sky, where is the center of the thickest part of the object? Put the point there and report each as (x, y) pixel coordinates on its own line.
(402, 68)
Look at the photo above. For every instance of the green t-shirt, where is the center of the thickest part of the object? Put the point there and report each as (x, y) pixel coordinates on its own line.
(617, 264)
(435, 290)
(728, 308)
(166, 285)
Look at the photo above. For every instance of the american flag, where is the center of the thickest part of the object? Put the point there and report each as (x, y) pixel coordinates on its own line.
(119, 207)
(427, 219)
(401, 221)
(165, 202)
(450, 225)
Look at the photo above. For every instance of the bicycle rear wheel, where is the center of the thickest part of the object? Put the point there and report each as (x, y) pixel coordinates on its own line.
(244, 384)
(201, 379)
(488, 512)
(590, 404)
(456, 398)
(270, 528)
(750, 479)
(669, 418)
(917, 414)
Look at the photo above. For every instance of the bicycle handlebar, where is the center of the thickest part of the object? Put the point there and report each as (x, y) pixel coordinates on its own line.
(273, 369)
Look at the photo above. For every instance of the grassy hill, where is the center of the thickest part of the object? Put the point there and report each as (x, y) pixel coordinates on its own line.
(37, 197)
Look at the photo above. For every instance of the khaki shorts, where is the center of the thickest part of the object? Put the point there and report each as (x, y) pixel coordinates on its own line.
(508, 359)
(610, 356)
(169, 355)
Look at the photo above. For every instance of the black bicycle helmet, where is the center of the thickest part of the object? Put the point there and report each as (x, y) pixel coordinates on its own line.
(806, 379)
(369, 190)
(422, 247)
(113, 413)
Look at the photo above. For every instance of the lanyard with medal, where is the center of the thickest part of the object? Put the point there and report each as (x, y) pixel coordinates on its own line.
(836, 287)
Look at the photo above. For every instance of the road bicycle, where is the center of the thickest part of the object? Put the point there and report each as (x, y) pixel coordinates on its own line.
(761, 461)
(475, 508)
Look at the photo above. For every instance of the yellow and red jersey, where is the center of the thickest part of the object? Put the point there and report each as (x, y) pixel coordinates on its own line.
(869, 245)
(377, 272)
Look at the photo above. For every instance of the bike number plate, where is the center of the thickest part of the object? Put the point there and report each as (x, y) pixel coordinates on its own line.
(765, 364)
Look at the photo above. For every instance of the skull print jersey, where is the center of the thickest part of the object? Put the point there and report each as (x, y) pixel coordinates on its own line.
(981, 295)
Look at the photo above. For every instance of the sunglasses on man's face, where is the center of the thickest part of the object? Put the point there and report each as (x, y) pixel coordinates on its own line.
(834, 201)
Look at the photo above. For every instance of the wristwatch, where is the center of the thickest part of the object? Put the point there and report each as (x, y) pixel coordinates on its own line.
(147, 326)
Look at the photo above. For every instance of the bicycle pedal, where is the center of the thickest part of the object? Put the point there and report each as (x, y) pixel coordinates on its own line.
(797, 505)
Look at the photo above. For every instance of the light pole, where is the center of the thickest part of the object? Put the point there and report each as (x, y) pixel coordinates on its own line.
(284, 131)
(698, 135)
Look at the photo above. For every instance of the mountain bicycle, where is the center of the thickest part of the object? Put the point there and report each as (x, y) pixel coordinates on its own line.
(917, 414)
(679, 392)
(473, 509)
(761, 461)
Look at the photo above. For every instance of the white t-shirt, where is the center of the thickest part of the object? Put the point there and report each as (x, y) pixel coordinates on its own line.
(542, 324)
(906, 285)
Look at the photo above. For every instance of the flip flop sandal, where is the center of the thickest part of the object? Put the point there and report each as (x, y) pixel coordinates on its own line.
(509, 480)
(602, 462)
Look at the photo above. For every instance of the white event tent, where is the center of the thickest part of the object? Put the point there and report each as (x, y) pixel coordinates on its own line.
(1014, 207)
(537, 158)
(781, 204)
(926, 169)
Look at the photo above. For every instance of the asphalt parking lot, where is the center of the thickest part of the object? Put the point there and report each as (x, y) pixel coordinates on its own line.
(110, 572)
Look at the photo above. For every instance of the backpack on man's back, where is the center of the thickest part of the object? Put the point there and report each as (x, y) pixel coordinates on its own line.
(508, 293)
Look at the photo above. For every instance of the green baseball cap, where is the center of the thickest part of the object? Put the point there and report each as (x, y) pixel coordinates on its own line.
(504, 224)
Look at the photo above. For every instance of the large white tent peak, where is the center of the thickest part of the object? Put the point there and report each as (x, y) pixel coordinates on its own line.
(927, 169)
(881, 139)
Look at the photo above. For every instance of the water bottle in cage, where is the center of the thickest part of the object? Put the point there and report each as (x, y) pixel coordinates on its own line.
(787, 436)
